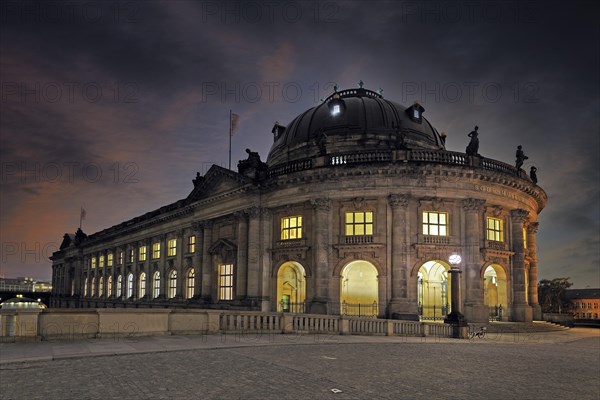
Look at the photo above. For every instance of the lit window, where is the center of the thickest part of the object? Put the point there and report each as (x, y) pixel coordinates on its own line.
(142, 286)
(435, 223)
(524, 238)
(101, 287)
(93, 262)
(191, 245)
(156, 250)
(495, 230)
(291, 227)
(416, 114)
(172, 250)
(226, 282)
(129, 285)
(93, 288)
(101, 262)
(131, 255)
(142, 253)
(120, 258)
(85, 287)
(109, 260)
(109, 286)
(336, 109)
(172, 284)
(119, 285)
(189, 293)
(359, 223)
(156, 285)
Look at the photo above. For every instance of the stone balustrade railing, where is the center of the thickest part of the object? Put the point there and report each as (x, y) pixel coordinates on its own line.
(48, 324)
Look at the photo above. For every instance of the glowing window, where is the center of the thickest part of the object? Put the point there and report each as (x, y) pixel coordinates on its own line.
(156, 250)
(172, 249)
(93, 287)
(226, 282)
(156, 285)
(129, 285)
(416, 114)
(109, 286)
(191, 244)
(142, 253)
(291, 227)
(435, 223)
(120, 257)
(101, 262)
(109, 260)
(101, 287)
(119, 286)
(189, 292)
(172, 284)
(85, 287)
(142, 286)
(336, 109)
(131, 255)
(495, 229)
(93, 262)
(359, 223)
(524, 238)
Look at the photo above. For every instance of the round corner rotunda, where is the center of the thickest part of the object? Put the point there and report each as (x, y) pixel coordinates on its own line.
(359, 210)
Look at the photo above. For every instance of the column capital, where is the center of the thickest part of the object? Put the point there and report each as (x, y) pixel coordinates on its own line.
(321, 204)
(398, 200)
(253, 212)
(533, 227)
(197, 226)
(473, 204)
(519, 215)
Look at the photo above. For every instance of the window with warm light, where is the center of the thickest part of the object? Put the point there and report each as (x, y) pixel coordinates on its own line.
(93, 287)
(359, 223)
(291, 227)
(226, 282)
(172, 249)
(93, 262)
(435, 223)
(524, 238)
(191, 244)
(495, 229)
(120, 258)
(101, 287)
(142, 286)
(156, 285)
(156, 250)
(101, 262)
(119, 286)
(85, 287)
(172, 284)
(109, 260)
(189, 292)
(109, 286)
(129, 285)
(142, 253)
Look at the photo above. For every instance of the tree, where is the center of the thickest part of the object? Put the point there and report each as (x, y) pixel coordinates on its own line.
(552, 294)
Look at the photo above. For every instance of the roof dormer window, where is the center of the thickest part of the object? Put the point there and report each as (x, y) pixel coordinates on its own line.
(415, 112)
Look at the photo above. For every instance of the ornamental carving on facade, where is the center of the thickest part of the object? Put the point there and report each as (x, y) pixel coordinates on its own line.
(532, 227)
(519, 215)
(473, 204)
(322, 204)
(398, 200)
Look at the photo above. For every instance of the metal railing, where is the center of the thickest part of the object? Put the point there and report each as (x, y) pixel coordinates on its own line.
(433, 313)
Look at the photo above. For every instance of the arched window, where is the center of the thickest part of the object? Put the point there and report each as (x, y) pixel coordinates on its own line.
(129, 285)
(189, 284)
(119, 285)
(101, 287)
(93, 288)
(142, 286)
(156, 285)
(172, 283)
(85, 287)
(109, 287)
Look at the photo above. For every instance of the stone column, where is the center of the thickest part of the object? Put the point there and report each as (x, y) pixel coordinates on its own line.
(522, 312)
(206, 262)
(532, 229)
(322, 207)
(265, 259)
(253, 253)
(242, 254)
(197, 229)
(179, 266)
(399, 306)
(475, 309)
(456, 318)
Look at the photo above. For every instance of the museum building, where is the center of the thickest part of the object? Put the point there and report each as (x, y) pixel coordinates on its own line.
(356, 211)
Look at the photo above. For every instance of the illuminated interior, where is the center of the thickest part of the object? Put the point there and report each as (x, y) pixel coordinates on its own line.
(434, 290)
(359, 283)
(291, 287)
(495, 288)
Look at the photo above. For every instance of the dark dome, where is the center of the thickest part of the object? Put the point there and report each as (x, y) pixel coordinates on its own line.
(366, 122)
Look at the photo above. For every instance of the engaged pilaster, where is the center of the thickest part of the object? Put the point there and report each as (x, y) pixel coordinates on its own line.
(521, 310)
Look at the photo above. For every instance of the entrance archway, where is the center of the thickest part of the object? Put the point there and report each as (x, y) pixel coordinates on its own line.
(433, 290)
(495, 291)
(359, 289)
(291, 287)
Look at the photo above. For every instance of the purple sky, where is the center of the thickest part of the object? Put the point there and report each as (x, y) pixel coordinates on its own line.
(114, 106)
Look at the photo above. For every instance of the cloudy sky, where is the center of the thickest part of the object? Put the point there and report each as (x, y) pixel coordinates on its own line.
(115, 105)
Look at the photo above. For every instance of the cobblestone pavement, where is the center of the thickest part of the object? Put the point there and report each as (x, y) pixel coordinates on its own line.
(332, 367)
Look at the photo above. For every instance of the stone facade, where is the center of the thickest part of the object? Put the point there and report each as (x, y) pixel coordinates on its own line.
(387, 176)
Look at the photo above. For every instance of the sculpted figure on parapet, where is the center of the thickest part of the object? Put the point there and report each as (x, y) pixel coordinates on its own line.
(473, 146)
(521, 157)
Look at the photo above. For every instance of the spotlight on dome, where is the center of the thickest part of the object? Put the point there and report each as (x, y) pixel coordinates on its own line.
(336, 106)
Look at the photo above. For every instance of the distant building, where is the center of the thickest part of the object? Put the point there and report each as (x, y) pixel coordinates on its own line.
(584, 303)
(23, 284)
(356, 211)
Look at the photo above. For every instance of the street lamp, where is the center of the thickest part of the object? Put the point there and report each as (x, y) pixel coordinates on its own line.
(455, 317)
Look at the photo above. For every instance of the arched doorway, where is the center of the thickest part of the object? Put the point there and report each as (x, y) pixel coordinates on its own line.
(495, 291)
(359, 289)
(291, 287)
(433, 291)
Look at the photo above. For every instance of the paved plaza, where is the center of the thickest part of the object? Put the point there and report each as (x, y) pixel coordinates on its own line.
(547, 365)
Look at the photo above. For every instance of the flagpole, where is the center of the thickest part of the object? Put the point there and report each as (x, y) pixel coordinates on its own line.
(230, 127)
